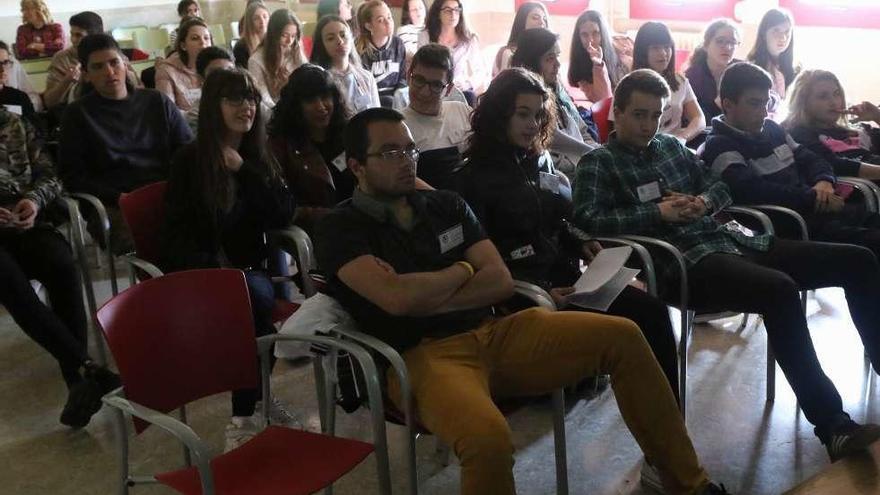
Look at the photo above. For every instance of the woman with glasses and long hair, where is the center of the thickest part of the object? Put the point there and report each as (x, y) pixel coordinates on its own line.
(709, 60)
(334, 51)
(446, 24)
(253, 31)
(524, 206)
(305, 135)
(817, 119)
(538, 51)
(225, 191)
(278, 56)
(597, 59)
(655, 50)
(529, 15)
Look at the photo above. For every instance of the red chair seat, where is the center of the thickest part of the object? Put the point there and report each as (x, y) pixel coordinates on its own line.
(283, 310)
(278, 461)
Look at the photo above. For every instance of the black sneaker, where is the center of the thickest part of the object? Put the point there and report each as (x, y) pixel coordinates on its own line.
(106, 380)
(851, 438)
(713, 489)
(83, 401)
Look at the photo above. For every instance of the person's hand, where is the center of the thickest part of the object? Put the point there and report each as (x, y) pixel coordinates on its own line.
(834, 204)
(72, 74)
(824, 192)
(865, 111)
(596, 54)
(37, 47)
(26, 210)
(232, 159)
(384, 265)
(696, 208)
(560, 295)
(676, 208)
(589, 250)
(6, 217)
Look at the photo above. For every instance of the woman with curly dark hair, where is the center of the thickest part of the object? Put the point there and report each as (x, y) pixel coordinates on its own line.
(305, 136)
(510, 176)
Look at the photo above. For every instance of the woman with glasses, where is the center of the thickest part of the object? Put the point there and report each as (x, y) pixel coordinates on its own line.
(278, 56)
(655, 50)
(224, 192)
(530, 15)
(708, 62)
(305, 136)
(38, 36)
(774, 52)
(15, 100)
(597, 59)
(446, 24)
(334, 51)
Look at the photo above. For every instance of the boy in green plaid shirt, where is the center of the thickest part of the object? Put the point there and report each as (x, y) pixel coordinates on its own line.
(649, 184)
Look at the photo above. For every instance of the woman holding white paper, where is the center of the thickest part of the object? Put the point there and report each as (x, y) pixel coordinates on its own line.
(524, 205)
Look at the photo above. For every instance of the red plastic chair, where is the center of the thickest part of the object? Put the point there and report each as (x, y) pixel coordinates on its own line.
(144, 211)
(188, 335)
(601, 110)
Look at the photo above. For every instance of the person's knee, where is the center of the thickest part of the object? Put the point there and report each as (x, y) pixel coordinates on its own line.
(487, 440)
(859, 260)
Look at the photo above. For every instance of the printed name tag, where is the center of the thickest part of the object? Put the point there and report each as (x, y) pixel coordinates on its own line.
(16, 109)
(339, 162)
(784, 153)
(523, 252)
(648, 192)
(451, 238)
(549, 182)
(194, 94)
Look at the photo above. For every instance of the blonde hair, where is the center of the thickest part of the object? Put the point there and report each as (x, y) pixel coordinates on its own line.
(802, 90)
(364, 15)
(41, 8)
(247, 31)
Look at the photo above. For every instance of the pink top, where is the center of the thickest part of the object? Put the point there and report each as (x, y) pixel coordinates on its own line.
(50, 35)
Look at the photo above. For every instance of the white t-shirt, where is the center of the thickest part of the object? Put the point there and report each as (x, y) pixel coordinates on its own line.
(451, 127)
(670, 121)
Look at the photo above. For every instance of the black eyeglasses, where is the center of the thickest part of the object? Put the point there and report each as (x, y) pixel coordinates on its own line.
(398, 155)
(436, 86)
(239, 101)
(451, 10)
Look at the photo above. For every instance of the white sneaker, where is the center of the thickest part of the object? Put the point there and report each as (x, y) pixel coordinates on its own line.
(278, 415)
(651, 479)
(239, 431)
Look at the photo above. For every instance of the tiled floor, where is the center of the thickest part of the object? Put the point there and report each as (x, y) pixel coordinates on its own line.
(749, 445)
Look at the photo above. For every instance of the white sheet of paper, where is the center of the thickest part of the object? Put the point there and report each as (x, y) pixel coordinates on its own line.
(604, 266)
(601, 299)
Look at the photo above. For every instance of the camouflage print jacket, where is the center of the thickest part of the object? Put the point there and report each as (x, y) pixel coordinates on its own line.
(25, 170)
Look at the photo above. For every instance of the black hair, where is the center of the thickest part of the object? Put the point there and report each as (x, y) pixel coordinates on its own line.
(436, 56)
(761, 56)
(650, 34)
(580, 65)
(531, 46)
(88, 21)
(405, 19)
(183, 6)
(319, 51)
(641, 80)
(306, 83)
(183, 31)
(93, 43)
(519, 22)
(433, 24)
(356, 136)
(208, 55)
(741, 77)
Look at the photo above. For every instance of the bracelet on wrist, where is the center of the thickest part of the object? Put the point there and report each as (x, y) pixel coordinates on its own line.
(467, 266)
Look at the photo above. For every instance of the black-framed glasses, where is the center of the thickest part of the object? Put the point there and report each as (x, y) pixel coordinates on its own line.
(451, 10)
(398, 155)
(240, 101)
(435, 86)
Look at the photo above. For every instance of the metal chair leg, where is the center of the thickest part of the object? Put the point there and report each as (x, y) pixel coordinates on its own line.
(771, 373)
(559, 442)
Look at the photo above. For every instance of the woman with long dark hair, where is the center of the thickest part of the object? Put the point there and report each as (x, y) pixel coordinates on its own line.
(278, 56)
(538, 51)
(254, 24)
(655, 49)
(446, 24)
(224, 192)
(524, 206)
(529, 15)
(334, 50)
(597, 59)
(774, 49)
(412, 22)
(305, 135)
(708, 62)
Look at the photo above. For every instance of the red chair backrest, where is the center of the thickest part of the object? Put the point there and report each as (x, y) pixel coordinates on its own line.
(144, 210)
(181, 337)
(601, 110)
(307, 43)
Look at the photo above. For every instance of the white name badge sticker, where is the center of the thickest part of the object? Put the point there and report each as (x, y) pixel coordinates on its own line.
(784, 153)
(523, 252)
(339, 162)
(648, 192)
(451, 238)
(549, 182)
(16, 109)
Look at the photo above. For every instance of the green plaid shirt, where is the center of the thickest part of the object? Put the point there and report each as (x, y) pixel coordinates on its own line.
(606, 201)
